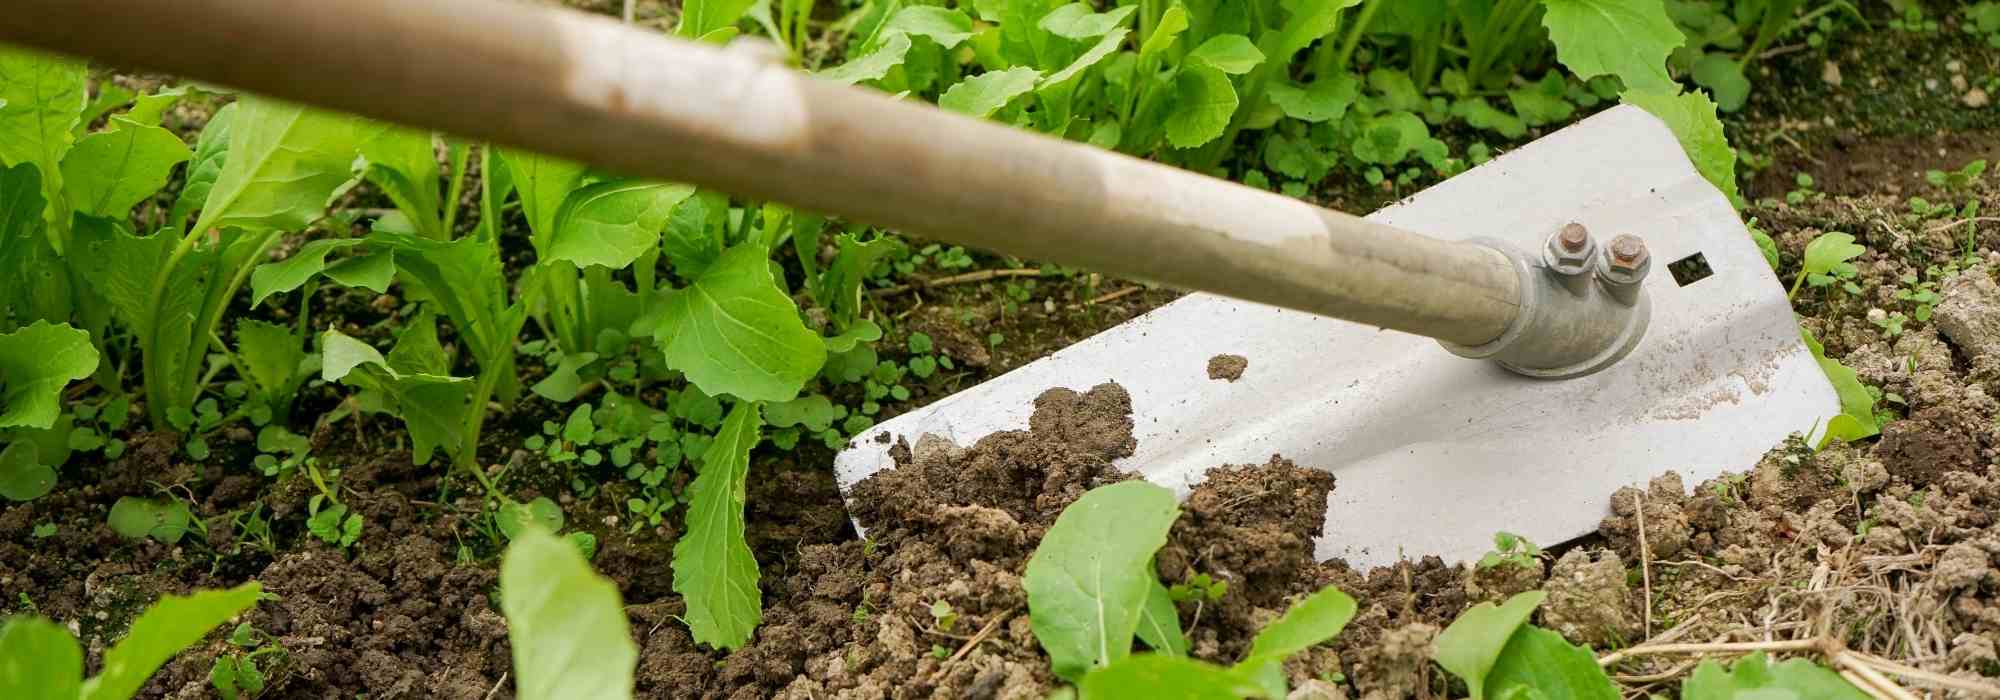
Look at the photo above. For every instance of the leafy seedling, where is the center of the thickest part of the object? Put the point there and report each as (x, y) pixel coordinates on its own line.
(39, 659)
(566, 624)
(1827, 263)
(1510, 549)
(1311, 621)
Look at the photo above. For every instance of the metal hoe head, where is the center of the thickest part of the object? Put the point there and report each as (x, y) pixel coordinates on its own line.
(1433, 452)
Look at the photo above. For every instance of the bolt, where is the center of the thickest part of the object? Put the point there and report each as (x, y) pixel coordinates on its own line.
(1569, 250)
(1625, 261)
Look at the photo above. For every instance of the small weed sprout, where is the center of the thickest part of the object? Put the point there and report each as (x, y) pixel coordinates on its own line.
(1511, 550)
(943, 614)
(1826, 264)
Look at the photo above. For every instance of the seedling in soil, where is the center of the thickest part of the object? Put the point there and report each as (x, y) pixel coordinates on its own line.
(1804, 191)
(237, 675)
(1984, 18)
(326, 517)
(1957, 180)
(163, 518)
(943, 614)
(1826, 263)
(1510, 549)
(44, 662)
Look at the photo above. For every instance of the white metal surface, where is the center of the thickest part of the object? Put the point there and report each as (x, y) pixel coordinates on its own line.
(1433, 453)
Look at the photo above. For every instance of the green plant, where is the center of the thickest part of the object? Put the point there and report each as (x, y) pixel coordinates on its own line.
(42, 661)
(1091, 586)
(1511, 550)
(1804, 191)
(1312, 620)
(163, 518)
(1960, 179)
(237, 674)
(37, 362)
(1717, 55)
(1984, 18)
(326, 517)
(1826, 263)
(1858, 418)
(566, 624)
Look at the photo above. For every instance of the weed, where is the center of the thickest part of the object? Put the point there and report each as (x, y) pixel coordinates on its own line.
(1510, 549)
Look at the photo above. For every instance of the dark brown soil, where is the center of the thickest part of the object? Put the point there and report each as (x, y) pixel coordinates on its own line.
(1227, 368)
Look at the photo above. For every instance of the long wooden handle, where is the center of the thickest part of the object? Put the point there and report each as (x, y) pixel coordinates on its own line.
(583, 87)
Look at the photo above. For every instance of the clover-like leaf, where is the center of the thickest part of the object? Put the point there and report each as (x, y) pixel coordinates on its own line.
(36, 362)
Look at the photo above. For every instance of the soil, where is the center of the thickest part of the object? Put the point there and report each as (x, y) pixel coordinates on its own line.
(1227, 368)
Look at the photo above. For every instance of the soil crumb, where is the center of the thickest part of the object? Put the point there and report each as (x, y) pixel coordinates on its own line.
(1227, 368)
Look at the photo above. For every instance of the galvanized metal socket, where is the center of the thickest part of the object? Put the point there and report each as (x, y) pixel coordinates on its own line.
(1624, 265)
(1569, 251)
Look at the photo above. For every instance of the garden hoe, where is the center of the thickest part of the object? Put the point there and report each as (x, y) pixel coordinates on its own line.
(1499, 352)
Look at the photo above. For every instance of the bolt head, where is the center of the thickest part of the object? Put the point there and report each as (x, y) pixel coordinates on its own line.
(1569, 250)
(1626, 260)
(1573, 238)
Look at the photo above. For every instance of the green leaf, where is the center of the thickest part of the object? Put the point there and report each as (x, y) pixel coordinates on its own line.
(285, 163)
(734, 331)
(109, 172)
(1388, 139)
(1164, 677)
(168, 626)
(714, 569)
(1316, 619)
(1829, 253)
(270, 355)
(23, 477)
(1229, 53)
(1171, 24)
(42, 97)
(1325, 99)
(839, 287)
(403, 163)
(1857, 406)
(986, 93)
(613, 223)
(163, 519)
(372, 271)
(1477, 112)
(1079, 21)
(1692, 118)
(567, 624)
(465, 277)
(39, 661)
(1204, 101)
(543, 183)
(702, 17)
(293, 272)
(1537, 107)
(1539, 660)
(210, 152)
(873, 66)
(150, 109)
(1754, 678)
(432, 406)
(1092, 574)
(1091, 57)
(1626, 38)
(1724, 78)
(562, 384)
(513, 518)
(36, 362)
(814, 412)
(1309, 20)
(947, 27)
(1160, 624)
(1473, 643)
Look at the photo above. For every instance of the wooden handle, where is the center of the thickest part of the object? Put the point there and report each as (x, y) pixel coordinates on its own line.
(583, 87)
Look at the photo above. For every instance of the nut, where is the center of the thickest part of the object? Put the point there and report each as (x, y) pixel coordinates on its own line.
(1569, 250)
(1626, 261)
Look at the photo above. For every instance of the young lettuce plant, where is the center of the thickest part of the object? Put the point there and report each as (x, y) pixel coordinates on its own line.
(565, 623)
(39, 660)
(36, 363)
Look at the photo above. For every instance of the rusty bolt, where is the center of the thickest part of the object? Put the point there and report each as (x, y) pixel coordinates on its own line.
(1569, 251)
(1626, 261)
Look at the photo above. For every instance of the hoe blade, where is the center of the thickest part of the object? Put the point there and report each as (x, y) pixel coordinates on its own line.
(1433, 453)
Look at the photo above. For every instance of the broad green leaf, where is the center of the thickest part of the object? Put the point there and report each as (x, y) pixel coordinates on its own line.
(432, 406)
(109, 172)
(39, 661)
(42, 97)
(1079, 21)
(1724, 78)
(1092, 56)
(986, 93)
(1229, 53)
(1480, 114)
(372, 271)
(121, 267)
(465, 278)
(1089, 579)
(110, 96)
(1317, 618)
(1388, 139)
(1857, 406)
(403, 163)
(566, 624)
(285, 163)
(1204, 101)
(1310, 20)
(873, 66)
(38, 288)
(1543, 661)
(150, 109)
(1537, 107)
(700, 18)
(1398, 90)
(1163, 677)
(168, 626)
(947, 27)
(1626, 38)
(1160, 624)
(714, 569)
(1324, 100)
(36, 362)
(210, 152)
(693, 236)
(734, 331)
(1753, 677)
(1473, 643)
(270, 355)
(293, 272)
(543, 183)
(1829, 253)
(613, 223)
(1692, 118)
(814, 412)
(163, 519)
(562, 384)
(1171, 24)
(514, 519)
(23, 476)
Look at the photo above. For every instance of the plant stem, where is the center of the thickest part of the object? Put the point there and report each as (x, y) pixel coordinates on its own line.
(459, 158)
(1354, 33)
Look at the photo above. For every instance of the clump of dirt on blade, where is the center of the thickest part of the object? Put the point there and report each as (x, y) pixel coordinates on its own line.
(1227, 368)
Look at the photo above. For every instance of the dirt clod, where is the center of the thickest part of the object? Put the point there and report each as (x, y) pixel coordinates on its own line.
(1589, 600)
(1227, 368)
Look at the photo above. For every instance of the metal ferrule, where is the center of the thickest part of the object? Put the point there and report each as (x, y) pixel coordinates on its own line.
(1567, 326)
